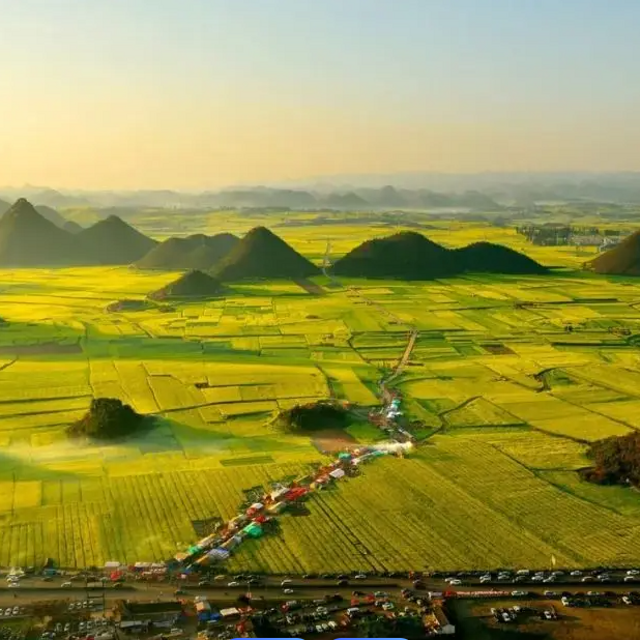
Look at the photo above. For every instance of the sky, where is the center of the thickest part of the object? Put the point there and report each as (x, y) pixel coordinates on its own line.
(125, 94)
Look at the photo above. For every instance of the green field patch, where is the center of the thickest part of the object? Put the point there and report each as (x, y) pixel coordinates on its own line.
(346, 384)
(480, 412)
(248, 460)
(587, 394)
(585, 426)
(247, 408)
(622, 500)
(222, 394)
(40, 406)
(627, 412)
(365, 432)
(534, 449)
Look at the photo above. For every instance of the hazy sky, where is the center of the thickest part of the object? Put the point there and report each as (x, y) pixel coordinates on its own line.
(199, 93)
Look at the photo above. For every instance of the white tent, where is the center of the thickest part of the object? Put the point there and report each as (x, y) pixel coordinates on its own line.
(337, 473)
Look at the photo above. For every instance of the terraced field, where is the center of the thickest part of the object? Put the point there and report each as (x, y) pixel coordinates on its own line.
(511, 395)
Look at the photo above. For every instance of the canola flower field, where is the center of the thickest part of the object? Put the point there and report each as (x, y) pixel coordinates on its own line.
(507, 399)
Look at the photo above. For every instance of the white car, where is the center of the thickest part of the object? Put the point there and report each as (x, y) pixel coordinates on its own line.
(360, 576)
(518, 594)
(626, 600)
(388, 606)
(484, 580)
(633, 572)
(286, 581)
(233, 584)
(287, 591)
(454, 582)
(67, 584)
(630, 578)
(537, 578)
(576, 573)
(13, 585)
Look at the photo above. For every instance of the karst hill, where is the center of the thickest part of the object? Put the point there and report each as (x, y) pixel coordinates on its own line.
(28, 239)
(411, 256)
(194, 284)
(261, 254)
(113, 241)
(622, 260)
(193, 252)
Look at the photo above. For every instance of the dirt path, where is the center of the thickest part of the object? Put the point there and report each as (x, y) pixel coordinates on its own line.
(384, 383)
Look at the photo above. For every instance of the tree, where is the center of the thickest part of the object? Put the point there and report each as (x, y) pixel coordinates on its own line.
(313, 417)
(107, 418)
(616, 460)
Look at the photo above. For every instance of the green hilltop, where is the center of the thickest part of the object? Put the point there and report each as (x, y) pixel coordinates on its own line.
(409, 255)
(197, 251)
(261, 254)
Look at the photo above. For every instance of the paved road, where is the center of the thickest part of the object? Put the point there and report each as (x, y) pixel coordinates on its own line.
(36, 590)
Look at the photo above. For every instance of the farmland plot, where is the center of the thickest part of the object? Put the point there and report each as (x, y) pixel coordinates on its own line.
(486, 369)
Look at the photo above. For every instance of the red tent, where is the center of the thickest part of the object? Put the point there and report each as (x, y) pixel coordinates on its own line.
(295, 494)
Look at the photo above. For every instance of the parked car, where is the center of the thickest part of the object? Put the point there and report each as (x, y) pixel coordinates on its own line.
(288, 591)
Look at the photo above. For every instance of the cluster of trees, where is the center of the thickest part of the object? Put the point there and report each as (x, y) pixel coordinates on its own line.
(313, 417)
(559, 234)
(616, 461)
(382, 627)
(106, 419)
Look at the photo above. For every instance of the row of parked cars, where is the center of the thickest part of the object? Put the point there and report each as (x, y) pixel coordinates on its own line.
(524, 575)
(81, 605)
(82, 626)
(511, 614)
(599, 599)
(11, 612)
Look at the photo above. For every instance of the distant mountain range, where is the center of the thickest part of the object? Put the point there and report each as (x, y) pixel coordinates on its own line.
(28, 238)
(31, 237)
(483, 191)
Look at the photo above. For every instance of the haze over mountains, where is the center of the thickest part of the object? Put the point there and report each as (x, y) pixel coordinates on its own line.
(366, 192)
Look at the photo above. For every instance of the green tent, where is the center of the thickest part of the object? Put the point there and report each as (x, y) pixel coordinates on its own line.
(253, 530)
